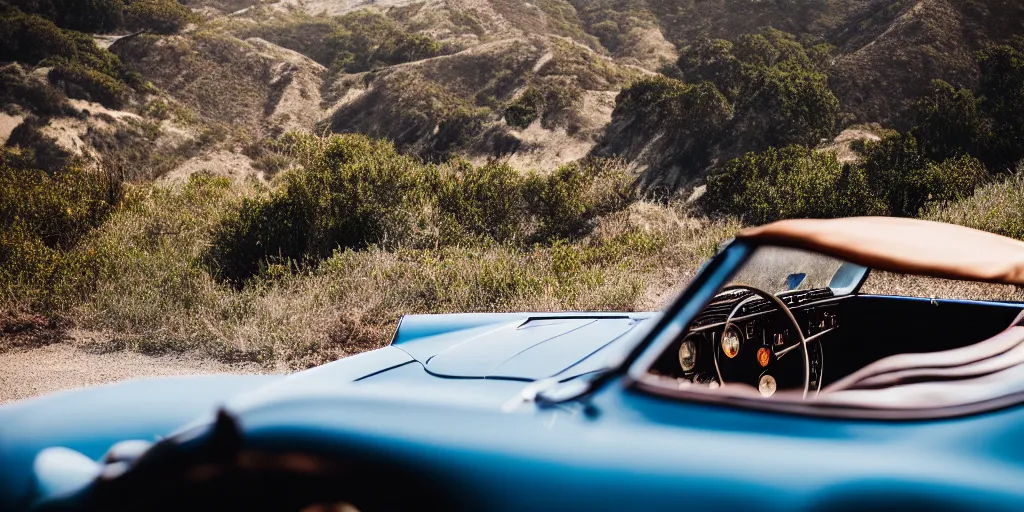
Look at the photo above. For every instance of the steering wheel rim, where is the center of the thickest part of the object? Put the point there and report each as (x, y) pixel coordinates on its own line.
(801, 340)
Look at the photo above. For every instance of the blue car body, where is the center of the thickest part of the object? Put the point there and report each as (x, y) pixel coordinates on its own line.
(527, 411)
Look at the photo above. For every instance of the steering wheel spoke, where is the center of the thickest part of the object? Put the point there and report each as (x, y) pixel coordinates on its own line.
(782, 352)
(760, 362)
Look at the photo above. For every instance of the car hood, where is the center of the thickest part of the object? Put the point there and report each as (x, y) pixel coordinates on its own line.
(517, 346)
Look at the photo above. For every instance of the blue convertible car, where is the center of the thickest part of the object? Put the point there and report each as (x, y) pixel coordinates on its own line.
(771, 383)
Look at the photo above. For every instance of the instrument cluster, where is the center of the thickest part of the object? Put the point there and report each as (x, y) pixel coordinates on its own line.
(759, 333)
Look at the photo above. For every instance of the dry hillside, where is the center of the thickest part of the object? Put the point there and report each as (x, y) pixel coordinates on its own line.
(248, 71)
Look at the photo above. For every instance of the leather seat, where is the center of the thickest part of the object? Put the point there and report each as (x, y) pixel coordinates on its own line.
(996, 354)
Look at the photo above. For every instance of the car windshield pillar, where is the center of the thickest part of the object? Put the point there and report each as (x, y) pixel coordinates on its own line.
(711, 278)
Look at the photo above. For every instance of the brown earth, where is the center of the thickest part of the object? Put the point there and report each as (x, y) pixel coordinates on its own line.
(76, 361)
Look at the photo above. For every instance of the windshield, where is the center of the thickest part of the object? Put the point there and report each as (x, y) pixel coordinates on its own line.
(782, 269)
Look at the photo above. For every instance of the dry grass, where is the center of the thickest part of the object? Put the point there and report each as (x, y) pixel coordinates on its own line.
(156, 293)
(887, 283)
(995, 207)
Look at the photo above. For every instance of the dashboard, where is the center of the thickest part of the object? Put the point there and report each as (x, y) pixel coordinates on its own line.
(745, 338)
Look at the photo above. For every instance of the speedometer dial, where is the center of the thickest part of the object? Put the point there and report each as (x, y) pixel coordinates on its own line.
(688, 354)
(731, 340)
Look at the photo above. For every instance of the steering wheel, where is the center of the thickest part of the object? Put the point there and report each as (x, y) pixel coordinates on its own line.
(769, 365)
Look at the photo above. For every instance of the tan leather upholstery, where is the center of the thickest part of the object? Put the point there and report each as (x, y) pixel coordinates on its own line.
(935, 373)
(908, 246)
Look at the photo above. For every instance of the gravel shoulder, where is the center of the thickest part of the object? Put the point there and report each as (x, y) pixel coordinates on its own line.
(34, 371)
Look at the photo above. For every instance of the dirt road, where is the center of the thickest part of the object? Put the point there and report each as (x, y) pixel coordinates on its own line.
(30, 372)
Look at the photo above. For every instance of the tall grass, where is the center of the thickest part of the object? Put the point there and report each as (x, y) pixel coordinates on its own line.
(157, 294)
(571, 239)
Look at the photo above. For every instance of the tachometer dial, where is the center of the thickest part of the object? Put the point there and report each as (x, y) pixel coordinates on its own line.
(731, 340)
(688, 354)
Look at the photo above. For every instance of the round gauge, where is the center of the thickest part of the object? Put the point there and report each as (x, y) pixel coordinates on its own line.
(767, 385)
(688, 355)
(731, 340)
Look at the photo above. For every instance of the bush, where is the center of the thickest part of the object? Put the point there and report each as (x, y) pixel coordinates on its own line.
(263, 232)
(459, 129)
(781, 107)
(892, 179)
(907, 181)
(42, 217)
(367, 39)
(692, 117)
(487, 201)
(525, 109)
(81, 15)
(87, 71)
(563, 101)
(30, 39)
(160, 16)
(78, 81)
(352, 193)
(565, 203)
(16, 88)
(791, 182)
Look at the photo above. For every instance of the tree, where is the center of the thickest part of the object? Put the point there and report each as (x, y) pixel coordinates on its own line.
(898, 174)
(947, 122)
(711, 60)
(782, 107)
(1002, 91)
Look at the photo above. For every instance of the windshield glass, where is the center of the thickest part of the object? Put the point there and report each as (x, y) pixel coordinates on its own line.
(782, 269)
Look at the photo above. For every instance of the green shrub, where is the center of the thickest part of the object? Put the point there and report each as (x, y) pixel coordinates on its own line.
(352, 192)
(781, 107)
(525, 109)
(691, 117)
(608, 33)
(791, 182)
(898, 174)
(367, 39)
(78, 81)
(772, 48)
(563, 101)
(263, 232)
(955, 178)
(16, 88)
(160, 16)
(460, 128)
(42, 217)
(59, 208)
(86, 70)
(893, 178)
(664, 103)
(485, 200)
(30, 39)
(82, 15)
(566, 202)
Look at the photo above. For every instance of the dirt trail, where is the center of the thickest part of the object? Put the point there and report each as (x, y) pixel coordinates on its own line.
(29, 372)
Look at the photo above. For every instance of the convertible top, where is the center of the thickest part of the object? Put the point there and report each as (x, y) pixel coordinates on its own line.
(908, 246)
